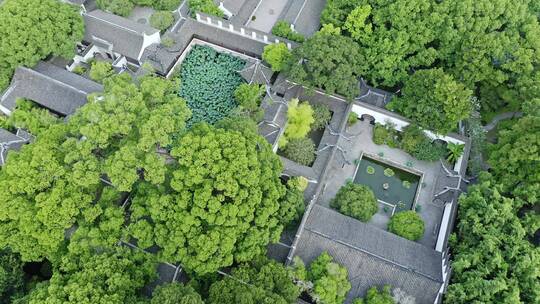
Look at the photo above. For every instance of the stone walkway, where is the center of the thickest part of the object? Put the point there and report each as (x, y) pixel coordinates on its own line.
(507, 115)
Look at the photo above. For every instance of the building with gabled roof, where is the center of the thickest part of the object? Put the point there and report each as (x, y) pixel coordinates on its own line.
(49, 86)
(10, 141)
(117, 36)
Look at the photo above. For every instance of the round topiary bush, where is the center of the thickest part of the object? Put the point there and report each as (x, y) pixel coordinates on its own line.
(322, 116)
(161, 20)
(407, 224)
(389, 172)
(370, 170)
(300, 150)
(356, 201)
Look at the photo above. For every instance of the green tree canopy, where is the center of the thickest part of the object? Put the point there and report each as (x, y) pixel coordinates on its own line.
(407, 224)
(11, 276)
(34, 29)
(493, 260)
(175, 293)
(376, 296)
(327, 61)
(434, 100)
(277, 55)
(299, 121)
(224, 200)
(261, 281)
(357, 201)
(515, 158)
(330, 283)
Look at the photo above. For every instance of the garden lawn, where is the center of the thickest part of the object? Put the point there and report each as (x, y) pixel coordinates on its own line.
(208, 81)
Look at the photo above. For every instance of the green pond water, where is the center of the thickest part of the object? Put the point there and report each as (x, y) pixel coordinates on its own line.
(396, 193)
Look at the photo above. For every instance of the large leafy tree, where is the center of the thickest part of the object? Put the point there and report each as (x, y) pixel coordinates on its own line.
(327, 61)
(491, 45)
(493, 260)
(34, 29)
(434, 100)
(11, 276)
(515, 158)
(175, 293)
(261, 281)
(52, 183)
(223, 204)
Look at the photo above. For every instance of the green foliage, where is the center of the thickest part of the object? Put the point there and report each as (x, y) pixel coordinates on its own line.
(204, 6)
(300, 182)
(277, 55)
(162, 20)
(434, 100)
(168, 42)
(227, 191)
(376, 296)
(454, 152)
(293, 203)
(491, 249)
(11, 276)
(24, 43)
(299, 121)
(330, 284)
(415, 142)
(100, 70)
(32, 118)
(209, 80)
(406, 184)
(352, 118)
(79, 70)
(118, 7)
(175, 293)
(389, 172)
(336, 11)
(407, 224)
(283, 29)
(249, 96)
(356, 201)
(370, 170)
(514, 159)
(51, 185)
(300, 150)
(114, 276)
(327, 61)
(322, 116)
(261, 281)
(385, 135)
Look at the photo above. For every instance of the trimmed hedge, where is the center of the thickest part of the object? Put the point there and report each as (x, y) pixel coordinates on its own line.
(283, 29)
(356, 201)
(208, 82)
(407, 224)
(300, 150)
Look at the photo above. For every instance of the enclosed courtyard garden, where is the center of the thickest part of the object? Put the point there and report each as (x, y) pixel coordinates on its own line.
(213, 88)
(305, 128)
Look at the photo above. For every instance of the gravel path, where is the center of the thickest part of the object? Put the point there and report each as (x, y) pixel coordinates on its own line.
(507, 115)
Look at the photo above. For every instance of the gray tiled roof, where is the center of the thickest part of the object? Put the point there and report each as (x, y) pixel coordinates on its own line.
(51, 87)
(9, 141)
(126, 36)
(257, 72)
(372, 256)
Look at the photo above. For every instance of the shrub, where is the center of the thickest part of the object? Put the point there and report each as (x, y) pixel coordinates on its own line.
(161, 20)
(100, 70)
(352, 118)
(168, 42)
(322, 116)
(406, 184)
(370, 170)
(385, 135)
(283, 29)
(407, 224)
(208, 82)
(376, 296)
(389, 172)
(299, 182)
(416, 143)
(300, 150)
(249, 96)
(299, 120)
(166, 5)
(79, 70)
(277, 55)
(454, 152)
(355, 200)
(118, 7)
(204, 6)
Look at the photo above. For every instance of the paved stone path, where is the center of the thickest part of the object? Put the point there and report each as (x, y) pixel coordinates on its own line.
(507, 115)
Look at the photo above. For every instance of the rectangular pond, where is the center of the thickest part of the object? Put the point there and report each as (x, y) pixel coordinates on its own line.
(389, 183)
